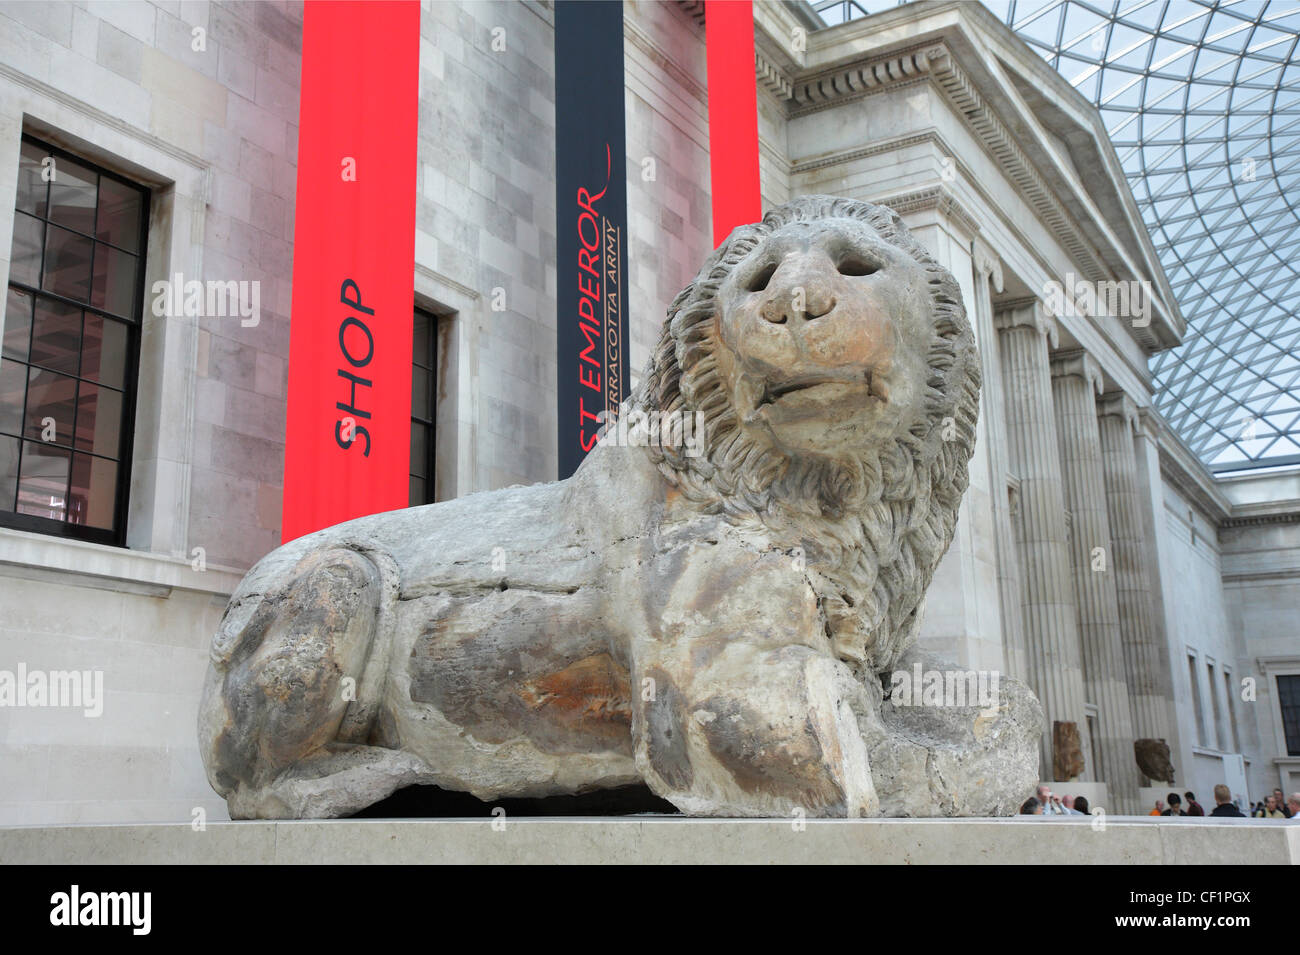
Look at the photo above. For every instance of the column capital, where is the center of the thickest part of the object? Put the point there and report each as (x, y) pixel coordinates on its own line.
(987, 262)
(1148, 424)
(1119, 405)
(1078, 363)
(1025, 313)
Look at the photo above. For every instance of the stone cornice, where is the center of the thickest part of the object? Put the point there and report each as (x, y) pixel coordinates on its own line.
(1001, 144)
(935, 197)
(1184, 470)
(1078, 364)
(874, 149)
(1239, 519)
(829, 88)
(772, 77)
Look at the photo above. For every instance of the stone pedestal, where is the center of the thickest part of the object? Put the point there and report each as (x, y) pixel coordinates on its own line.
(1018, 840)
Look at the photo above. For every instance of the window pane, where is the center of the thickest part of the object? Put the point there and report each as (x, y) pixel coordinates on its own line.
(67, 264)
(420, 346)
(92, 499)
(32, 189)
(26, 264)
(419, 450)
(8, 472)
(18, 324)
(114, 283)
(56, 336)
(417, 492)
(13, 385)
(420, 393)
(99, 419)
(1288, 695)
(72, 195)
(50, 396)
(43, 481)
(119, 215)
(103, 350)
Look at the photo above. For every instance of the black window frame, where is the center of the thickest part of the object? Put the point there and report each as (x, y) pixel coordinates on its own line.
(1288, 710)
(431, 370)
(134, 324)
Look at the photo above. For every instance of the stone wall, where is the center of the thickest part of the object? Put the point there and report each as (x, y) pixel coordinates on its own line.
(1198, 632)
(199, 101)
(668, 198)
(1261, 585)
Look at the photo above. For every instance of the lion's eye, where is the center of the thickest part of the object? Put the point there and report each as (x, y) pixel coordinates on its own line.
(761, 278)
(857, 265)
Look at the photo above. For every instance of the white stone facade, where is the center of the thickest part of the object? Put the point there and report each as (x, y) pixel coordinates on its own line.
(935, 109)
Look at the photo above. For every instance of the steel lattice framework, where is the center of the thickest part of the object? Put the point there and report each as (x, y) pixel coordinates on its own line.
(1202, 102)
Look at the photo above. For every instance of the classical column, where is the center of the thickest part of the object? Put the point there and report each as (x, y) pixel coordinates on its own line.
(988, 276)
(1051, 633)
(1076, 382)
(1117, 419)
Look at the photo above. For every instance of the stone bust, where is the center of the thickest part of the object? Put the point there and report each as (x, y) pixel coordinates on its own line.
(723, 619)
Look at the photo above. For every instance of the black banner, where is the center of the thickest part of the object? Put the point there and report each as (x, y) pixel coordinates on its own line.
(591, 223)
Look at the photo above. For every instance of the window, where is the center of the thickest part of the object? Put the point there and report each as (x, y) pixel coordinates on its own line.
(71, 346)
(1230, 696)
(1094, 747)
(1196, 699)
(1218, 738)
(1288, 698)
(424, 396)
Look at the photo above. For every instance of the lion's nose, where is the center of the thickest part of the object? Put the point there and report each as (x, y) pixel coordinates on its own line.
(801, 294)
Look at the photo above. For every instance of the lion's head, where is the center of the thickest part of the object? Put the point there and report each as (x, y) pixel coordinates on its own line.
(838, 380)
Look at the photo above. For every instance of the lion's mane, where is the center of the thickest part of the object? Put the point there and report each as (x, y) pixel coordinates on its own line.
(872, 530)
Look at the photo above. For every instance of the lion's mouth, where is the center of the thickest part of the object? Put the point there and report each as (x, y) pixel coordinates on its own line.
(877, 388)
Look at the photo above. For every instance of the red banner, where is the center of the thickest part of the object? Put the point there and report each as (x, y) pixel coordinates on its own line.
(347, 445)
(733, 115)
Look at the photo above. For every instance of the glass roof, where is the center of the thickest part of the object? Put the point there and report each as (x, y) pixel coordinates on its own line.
(1202, 103)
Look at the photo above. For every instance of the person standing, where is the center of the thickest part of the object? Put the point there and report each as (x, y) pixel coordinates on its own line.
(1050, 803)
(1280, 803)
(1270, 809)
(1193, 807)
(1223, 803)
(1175, 805)
(1159, 810)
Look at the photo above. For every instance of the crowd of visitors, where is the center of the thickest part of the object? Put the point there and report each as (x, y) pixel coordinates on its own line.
(1273, 806)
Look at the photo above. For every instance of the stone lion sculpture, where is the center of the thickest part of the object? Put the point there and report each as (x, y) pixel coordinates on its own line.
(720, 625)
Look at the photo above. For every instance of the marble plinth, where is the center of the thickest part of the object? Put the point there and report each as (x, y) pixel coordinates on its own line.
(658, 840)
